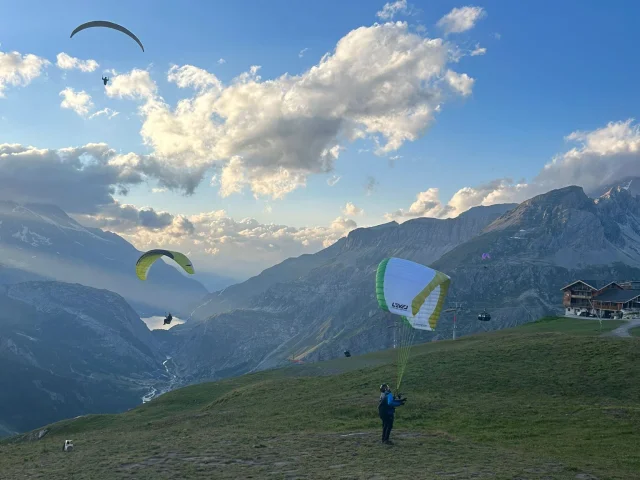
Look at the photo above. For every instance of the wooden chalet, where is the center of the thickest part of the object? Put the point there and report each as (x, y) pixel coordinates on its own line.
(615, 299)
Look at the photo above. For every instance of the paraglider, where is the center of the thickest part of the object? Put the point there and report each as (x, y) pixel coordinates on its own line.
(105, 80)
(168, 319)
(114, 26)
(149, 258)
(414, 292)
(486, 256)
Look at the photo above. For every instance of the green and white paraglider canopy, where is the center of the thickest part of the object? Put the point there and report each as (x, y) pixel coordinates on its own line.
(416, 294)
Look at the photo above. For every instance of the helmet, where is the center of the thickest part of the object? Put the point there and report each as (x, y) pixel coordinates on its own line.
(384, 387)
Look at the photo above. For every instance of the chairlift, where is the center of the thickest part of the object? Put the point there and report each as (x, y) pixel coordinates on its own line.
(484, 316)
(347, 353)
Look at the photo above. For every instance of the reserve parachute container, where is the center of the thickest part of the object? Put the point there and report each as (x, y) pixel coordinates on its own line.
(149, 258)
(415, 294)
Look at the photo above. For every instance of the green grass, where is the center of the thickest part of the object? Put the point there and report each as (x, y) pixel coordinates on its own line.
(552, 399)
(635, 332)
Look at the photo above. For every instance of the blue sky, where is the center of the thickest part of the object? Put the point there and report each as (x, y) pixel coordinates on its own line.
(550, 69)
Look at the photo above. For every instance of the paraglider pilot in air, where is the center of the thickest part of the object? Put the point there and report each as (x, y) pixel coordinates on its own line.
(105, 80)
(387, 410)
(168, 319)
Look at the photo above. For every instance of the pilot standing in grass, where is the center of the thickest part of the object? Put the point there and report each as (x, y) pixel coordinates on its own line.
(387, 410)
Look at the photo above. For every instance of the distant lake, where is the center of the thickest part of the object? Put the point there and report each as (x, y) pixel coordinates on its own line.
(155, 323)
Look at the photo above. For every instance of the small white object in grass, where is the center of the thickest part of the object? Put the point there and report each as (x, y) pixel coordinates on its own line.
(68, 446)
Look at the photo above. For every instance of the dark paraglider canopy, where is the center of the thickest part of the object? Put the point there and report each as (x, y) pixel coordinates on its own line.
(347, 353)
(484, 316)
(105, 24)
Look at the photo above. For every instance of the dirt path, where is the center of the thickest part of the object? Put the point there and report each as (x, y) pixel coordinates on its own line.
(623, 330)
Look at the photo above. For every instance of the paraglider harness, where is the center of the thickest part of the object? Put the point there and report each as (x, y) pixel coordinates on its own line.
(168, 319)
(384, 409)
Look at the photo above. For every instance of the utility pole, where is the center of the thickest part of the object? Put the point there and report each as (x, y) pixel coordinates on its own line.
(455, 310)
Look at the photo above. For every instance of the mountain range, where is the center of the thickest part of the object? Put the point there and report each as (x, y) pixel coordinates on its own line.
(71, 349)
(41, 242)
(315, 306)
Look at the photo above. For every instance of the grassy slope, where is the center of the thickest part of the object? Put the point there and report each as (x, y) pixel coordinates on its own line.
(546, 400)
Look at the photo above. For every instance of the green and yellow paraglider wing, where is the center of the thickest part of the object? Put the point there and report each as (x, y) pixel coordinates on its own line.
(416, 294)
(149, 258)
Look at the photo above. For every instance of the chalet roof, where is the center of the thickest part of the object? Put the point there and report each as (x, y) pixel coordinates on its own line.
(588, 283)
(617, 296)
(609, 284)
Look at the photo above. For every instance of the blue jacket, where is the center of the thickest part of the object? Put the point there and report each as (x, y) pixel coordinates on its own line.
(390, 402)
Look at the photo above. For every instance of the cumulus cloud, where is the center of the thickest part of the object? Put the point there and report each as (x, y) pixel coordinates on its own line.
(602, 156)
(217, 241)
(124, 218)
(67, 62)
(77, 179)
(390, 10)
(427, 204)
(19, 70)
(80, 102)
(350, 210)
(382, 83)
(190, 76)
(478, 50)
(107, 112)
(462, 83)
(135, 84)
(462, 19)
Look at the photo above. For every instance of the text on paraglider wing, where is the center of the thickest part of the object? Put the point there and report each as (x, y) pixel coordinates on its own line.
(399, 306)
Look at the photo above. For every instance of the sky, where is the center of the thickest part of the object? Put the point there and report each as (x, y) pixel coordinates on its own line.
(248, 132)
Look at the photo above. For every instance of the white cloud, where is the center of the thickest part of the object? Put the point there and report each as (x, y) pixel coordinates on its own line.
(497, 36)
(216, 241)
(80, 102)
(478, 50)
(67, 62)
(136, 84)
(107, 112)
(158, 190)
(19, 70)
(302, 52)
(604, 156)
(77, 179)
(462, 19)
(427, 204)
(350, 210)
(382, 83)
(390, 10)
(222, 61)
(190, 76)
(462, 83)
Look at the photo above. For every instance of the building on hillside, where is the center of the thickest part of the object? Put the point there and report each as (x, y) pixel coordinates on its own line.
(584, 298)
